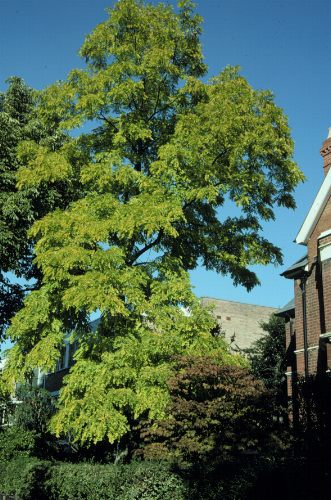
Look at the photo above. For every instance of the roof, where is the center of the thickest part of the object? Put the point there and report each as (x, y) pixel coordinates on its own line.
(235, 302)
(296, 269)
(315, 211)
(288, 309)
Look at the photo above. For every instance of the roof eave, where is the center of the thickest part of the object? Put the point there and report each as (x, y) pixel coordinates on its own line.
(286, 310)
(295, 274)
(315, 211)
(296, 270)
(289, 313)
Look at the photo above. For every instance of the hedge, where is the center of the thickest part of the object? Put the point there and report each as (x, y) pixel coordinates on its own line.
(15, 442)
(30, 478)
(140, 480)
(23, 476)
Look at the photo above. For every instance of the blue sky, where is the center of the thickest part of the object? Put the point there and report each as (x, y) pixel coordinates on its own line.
(281, 45)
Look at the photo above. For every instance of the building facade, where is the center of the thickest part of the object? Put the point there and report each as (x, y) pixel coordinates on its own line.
(308, 316)
(240, 322)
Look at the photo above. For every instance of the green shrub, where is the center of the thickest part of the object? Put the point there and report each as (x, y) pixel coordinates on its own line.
(35, 410)
(14, 442)
(31, 478)
(144, 481)
(248, 479)
(82, 481)
(152, 481)
(23, 477)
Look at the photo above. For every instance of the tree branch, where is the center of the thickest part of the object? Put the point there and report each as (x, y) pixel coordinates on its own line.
(146, 248)
(220, 155)
(110, 122)
(156, 103)
(17, 287)
(163, 108)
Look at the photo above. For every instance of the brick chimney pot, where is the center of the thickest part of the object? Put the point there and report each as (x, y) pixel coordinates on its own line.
(326, 153)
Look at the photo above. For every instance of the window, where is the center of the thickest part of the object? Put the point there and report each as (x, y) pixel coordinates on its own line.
(72, 349)
(61, 364)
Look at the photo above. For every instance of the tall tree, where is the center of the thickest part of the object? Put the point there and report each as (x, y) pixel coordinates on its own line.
(168, 156)
(20, 207)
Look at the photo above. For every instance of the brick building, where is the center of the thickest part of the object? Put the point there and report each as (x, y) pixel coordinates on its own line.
(308, 316)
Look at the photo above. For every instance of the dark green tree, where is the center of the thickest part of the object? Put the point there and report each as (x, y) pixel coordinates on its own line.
(267, 355)
(28, 432)
(19, 208)
(35, 409)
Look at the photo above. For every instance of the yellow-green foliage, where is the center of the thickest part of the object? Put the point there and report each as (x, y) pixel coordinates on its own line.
(152, 180)
(128, 380)
(42, 165)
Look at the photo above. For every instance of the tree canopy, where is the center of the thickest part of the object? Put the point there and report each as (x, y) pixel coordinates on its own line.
(20, 207)
(165, 155)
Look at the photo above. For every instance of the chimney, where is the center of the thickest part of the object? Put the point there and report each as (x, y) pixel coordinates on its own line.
(326, 153)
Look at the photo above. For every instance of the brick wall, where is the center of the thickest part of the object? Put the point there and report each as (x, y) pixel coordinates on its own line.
(323, 224)
(291, 366)
(318, 299)
(298, 315)
(317, 278)
(326, 277)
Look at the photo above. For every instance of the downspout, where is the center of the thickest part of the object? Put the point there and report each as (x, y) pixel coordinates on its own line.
(303, 283)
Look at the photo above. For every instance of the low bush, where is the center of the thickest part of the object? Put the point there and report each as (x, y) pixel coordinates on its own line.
(152, 481)
(252, 478)
(23, 476)
(82, 481)
(15, 442)
(140, 480)
(31, 478)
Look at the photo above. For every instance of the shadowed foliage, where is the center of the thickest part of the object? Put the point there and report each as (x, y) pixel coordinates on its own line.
(216, 412)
